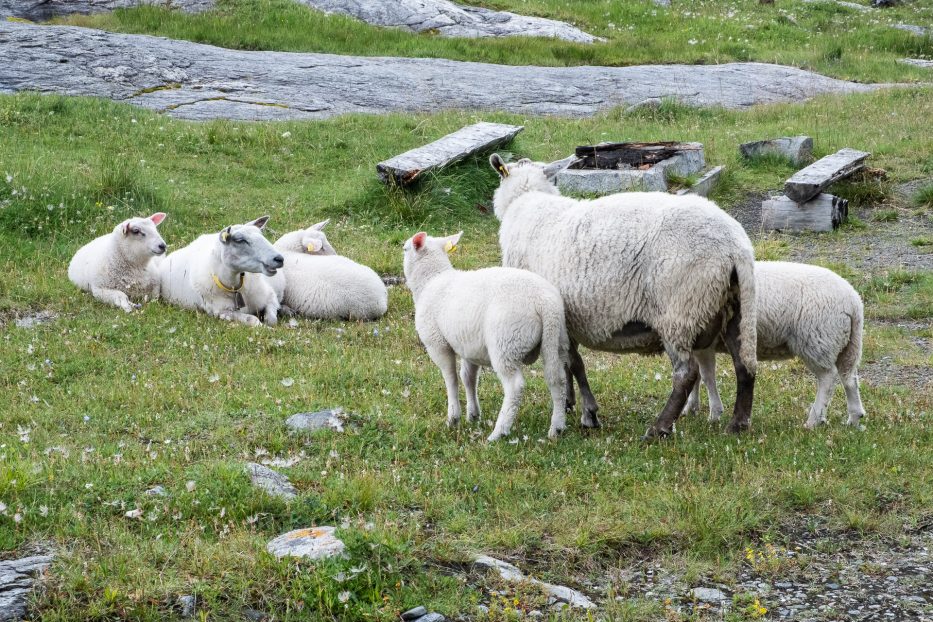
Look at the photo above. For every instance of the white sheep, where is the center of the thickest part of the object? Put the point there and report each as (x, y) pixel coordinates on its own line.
(634, 268)
(121, 265)
(318, 283)
(226, 275)
(808, 312)
(495, 317)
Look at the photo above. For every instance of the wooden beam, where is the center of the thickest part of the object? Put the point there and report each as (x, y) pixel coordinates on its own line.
(812, 180)
(405, 168)
(626, 155)
(824, 213)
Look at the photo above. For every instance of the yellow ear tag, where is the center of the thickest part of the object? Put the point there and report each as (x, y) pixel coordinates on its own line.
(311, 248)
(450, 247)
(504, 171)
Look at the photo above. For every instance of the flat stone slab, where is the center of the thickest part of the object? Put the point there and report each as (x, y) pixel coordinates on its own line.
(313, 543)
(511, 574)
(920, 31)
(196, 81)
(450, 20)
(917, 62)
(797, 149)
(709, 595)
(332, 419)
(38, 10)
(273, 482)
(705, 184)
(812, 180)
(17, 577)
(476, 138)
(35, 319)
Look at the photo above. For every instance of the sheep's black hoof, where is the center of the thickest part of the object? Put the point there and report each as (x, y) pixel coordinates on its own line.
(590, 420)
(654, 434)
(737, 427)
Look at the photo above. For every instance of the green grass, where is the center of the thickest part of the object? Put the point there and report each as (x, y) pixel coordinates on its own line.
(100, 406)
(636, 32)
(924, 197)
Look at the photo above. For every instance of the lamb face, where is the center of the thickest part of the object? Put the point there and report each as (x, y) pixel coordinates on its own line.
(139, 238)
(314, 241)
(245, 249)
(425, 253)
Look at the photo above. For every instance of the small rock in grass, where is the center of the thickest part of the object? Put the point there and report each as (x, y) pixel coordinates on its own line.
(35, 319)
(652, 103)
(332, 418)
(431, 617)
(254, 615)
(157, 491)
(312, 543)
(273, 482)
(797, 149)
(414, 614)
(187, 604)
(708, 595)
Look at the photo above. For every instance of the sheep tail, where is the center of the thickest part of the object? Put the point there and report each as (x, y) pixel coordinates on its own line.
(848, 360)
(748, 325)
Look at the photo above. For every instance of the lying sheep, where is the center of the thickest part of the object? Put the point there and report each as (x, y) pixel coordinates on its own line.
(226, 275)
(318, 283)
(808, 312)
(498, 317)
(120, 265)
(634, 268)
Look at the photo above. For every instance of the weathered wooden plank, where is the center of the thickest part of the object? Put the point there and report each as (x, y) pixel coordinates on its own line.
(406, 167)
(812, 180)
(624, 155)
(824, 213)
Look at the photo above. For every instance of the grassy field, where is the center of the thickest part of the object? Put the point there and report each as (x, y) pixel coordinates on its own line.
(100, 406)
(824, 37)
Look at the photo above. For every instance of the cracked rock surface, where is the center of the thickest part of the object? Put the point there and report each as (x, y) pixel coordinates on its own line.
(449, 19)
(39, 10)
(196, 81)
(17, 577)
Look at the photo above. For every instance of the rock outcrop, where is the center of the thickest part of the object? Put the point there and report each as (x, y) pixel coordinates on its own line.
(40, 10)
(196, 81)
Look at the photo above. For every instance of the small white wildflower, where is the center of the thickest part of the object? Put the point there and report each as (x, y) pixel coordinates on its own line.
(286, 134)
(213, 378)
(343, 596)
(287, 382)
(137, 513)
(43, 510)
(190, 486)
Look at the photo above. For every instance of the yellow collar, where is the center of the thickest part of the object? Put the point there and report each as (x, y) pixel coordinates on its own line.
(229, 290)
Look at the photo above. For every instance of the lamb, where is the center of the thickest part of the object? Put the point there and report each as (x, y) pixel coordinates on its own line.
(210, 274)
(808, 312)
(318, 283)
(498, 317)
(122, 264)
(637, 271)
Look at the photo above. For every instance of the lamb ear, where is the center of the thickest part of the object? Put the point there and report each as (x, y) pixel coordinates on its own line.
(157, 218)
(418, 240)
(450, 242)
(260, 222)
(320, 225)
(498, 165)
(126, 228)
(225, 234)
(313, 246)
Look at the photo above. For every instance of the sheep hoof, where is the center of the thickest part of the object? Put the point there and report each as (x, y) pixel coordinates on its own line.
(495, 436)
(654, 434)
(737, 427)
(555, 432)
(589, 419)
(452, 422)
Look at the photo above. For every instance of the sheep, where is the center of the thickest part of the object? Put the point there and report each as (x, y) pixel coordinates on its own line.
(121, 264)
(210, 274)
(495, 317)
(635, 269)
(808, 312)
(320, 284)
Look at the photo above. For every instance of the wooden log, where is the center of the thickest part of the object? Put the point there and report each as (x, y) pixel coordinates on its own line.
(405, 168)
(812, 180)
(824, 213)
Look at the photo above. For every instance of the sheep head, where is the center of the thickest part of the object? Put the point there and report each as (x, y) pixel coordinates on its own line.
(517, 179)
(139, 237)
(243, 248)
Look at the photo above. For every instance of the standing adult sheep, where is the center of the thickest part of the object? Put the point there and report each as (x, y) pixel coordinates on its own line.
(122, 264)
(635, 267)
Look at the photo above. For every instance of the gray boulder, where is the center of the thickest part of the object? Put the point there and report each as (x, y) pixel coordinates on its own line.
(450, 20)
(797, 149)
(17, 577)
(273, 482)
(39, 10)
(313, 543)
(332, 419)
(196, 81)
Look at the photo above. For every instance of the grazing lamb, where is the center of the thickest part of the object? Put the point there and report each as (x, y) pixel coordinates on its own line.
(211, 274)
(808, 312)
(635, 268)
(498, 317)
(119, 266)
(319, 283)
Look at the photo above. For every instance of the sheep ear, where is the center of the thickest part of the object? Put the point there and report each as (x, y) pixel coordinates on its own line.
(157, 218)
(320, 225)
(260, 222)
(225, 235)
(450, 242)
(314, 246)
(498, 165)
(126, 228)
(418, 240)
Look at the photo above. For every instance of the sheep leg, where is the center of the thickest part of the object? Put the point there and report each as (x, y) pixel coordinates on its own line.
(588, 418)
(556, 378)
(693, 400)
(446, 361)
(744, 379)
(512, 385)
(707, 362)
(853, 398)
(469, 375)
(825, 379)
(113, 297)
(686, 374)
